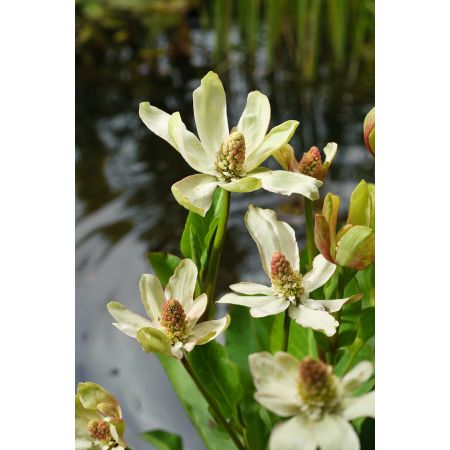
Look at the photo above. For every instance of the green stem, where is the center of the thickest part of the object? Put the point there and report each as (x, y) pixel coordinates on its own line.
(355, 348)
(212, 403)
(311, 246)
(286, 329)
(216, 254)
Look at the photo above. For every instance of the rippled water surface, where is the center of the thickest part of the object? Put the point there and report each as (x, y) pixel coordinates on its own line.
(125, 207)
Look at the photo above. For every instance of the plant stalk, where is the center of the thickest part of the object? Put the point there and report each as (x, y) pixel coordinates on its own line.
(311, 246)
(212, 403)
(286, 330)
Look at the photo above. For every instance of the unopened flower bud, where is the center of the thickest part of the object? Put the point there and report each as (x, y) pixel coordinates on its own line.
(231, 157)
(173, 319)
(369, 131)
(311, 164)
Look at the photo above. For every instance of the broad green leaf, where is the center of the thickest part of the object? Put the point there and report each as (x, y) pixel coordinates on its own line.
(163, 264)
(219, 375)
(276, 333)
(256, 431)
(301, 342)
(213, 436)
(163, 440)
(366, 280)
(367, 324)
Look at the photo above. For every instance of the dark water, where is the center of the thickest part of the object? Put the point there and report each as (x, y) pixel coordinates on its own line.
(125, 207)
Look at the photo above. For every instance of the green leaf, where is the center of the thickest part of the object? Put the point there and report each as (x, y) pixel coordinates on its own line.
(302, 342)
(219, 375)
(367, 324)
(163, 440)
(163, 264)
(350, 316)
(195, 405)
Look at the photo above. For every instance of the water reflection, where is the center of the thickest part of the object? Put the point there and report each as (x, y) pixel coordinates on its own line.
(125, 207)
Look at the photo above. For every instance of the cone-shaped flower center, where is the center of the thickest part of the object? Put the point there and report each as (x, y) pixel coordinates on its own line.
(316, 387)
(99, 431)
(311, 164)
(173, 319)
(287, 281)
(231, 158)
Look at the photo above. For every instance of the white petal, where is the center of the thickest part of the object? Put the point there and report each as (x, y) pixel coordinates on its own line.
(195, 192)
(245, 184)
(157, 121)
(357, 376)
(210, 112)
(335, 433)
(330, 152)
(320, 273)
(294, 434)
(363, 406)
(189, 146)
(315, 319)
(129, 322)
(254, 120)
(251, 288)
(270, 309)
(275, 378)
(277, 137)
(181, 284)
(196, 309)
(327, 305)
(261, 305)
(152, 296)
(287, 183)
(271, 235)
(205, 332)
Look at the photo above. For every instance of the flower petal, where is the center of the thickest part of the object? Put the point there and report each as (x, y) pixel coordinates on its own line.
(286, 158)
(335, 433)
(205, 332)
(330, 305)
(251, 288)
(92, 394)
(320, 273)
(157, 121)
(154, 341)
(312, 318)
(293, 434)
(189, 146)
(245, 184)
(277, 137)
(195, 192)
(330, 152)
(356, 248)
(196, 309)
(210, 112)
(330, 211)
(249, 300)
(128, 321)
(254, 120)
(181, 284)
(271, 235)
(357, 376)
(270, 309)
(152, 295)
(275, 379)
(362, 406)
(287, 183)
(322, 237)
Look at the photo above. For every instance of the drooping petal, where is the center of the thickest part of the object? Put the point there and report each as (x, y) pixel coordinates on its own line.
(356, 248)
(154, 341)
(195, 192)
(330, 152)
(189, 146)
(270, 309)
(196, 309)
(157, 121)
(319, 320)
(181, 284)
(152, 295)
(330, 305)
(287, 183)
(271, 235)
(245, 184)
(210, 112)
(251, 288)
(335, 433)
(294, 434)
(254, 120)
(357, 376)
(205, 332)
(320, 273)
(275, 378)
(362, 406)
(128, 321)
(277, 137)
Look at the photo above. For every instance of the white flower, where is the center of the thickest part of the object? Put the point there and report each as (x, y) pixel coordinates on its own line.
(290, 289)
(319, 403)
(229, 160)
(173, 314)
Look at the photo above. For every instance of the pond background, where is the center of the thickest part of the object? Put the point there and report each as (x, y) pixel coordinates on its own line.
(315, 65)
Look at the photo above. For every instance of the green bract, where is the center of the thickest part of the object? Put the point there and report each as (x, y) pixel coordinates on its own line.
(98, 419)
(354, 245)
(226, 159)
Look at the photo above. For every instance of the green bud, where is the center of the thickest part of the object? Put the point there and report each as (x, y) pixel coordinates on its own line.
(369, 131)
